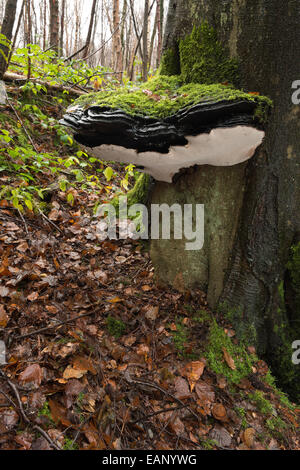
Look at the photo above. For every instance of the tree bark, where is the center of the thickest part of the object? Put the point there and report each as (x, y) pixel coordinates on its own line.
(54, 24)
(117, 44)
(7, 31)
(265, 37)
(145, 42)
(90, 30)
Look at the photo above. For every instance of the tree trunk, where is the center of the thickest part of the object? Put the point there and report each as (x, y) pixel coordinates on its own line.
(54, 24)
(7, 31)
(252, 213)
(145, 42)
(62, 27)
(117, 45)
(90, 30)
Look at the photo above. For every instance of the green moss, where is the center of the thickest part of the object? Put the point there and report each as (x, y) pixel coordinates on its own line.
(115, 327)
(180, 337)
(138, 194)
(164, 96)
(218, 342)
(245, 328)
(263, 405)
(170, 63)
(203, 58)
(276, 424)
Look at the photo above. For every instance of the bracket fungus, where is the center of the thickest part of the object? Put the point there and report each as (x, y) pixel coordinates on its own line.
(169, 127)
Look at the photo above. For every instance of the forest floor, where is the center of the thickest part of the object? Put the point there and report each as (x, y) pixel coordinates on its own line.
(99, 356)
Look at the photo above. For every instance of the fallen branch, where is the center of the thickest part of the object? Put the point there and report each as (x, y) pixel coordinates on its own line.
(14, 77)
(130, 380)
(53, 327)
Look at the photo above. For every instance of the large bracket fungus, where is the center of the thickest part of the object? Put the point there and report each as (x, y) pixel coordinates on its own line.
(163, 127)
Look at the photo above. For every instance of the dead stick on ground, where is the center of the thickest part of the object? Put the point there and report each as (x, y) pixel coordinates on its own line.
(165, 392)
(53, 327)
(24, 416)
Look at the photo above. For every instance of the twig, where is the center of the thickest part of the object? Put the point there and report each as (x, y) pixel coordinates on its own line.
(53, 327)
(50, 221)
(24, 416)
(166, 410)
(157, 387)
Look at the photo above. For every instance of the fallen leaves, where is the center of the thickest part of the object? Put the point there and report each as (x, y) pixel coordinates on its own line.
(193, 371)
(4, 318)
(248, 437)
(31, 375)
(229, 360)
(219, 412)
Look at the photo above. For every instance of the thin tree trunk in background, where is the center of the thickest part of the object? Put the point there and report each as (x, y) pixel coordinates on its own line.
(17, 31)
(28, 36)
(54, 24)
(7, 31)
(145, 42)
(90, 30)
(117, 44)
(160, 25)
(123, 31)
(62, 27)
(155, 26)
(45, 31)
(136, 28)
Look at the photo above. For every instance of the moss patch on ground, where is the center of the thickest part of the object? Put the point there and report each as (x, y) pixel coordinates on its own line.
(218, 344)
(164, 96)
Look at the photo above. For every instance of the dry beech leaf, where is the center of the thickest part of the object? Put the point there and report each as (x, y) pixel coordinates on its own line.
(219, 412)
(84, 365)
(193, 371)
(58, 413)
(32, 297)
(32, 374)
(71, 373)
(248, 437)
(4, 318)
(152, 313)
(182, 390)
(229, 360)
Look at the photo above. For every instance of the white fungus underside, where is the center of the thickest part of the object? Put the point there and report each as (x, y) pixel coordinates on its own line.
(222, 147)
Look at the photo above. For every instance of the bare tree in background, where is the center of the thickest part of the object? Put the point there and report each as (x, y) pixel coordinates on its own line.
(7, 31)
(117, 43)
(90, 30)
(54, 24)
(145, 41)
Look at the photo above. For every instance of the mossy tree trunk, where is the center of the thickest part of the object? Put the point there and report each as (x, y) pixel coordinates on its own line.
(258, 278)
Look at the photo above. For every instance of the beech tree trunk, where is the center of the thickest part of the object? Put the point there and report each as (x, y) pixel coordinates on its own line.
(259, 202)
(7, 31)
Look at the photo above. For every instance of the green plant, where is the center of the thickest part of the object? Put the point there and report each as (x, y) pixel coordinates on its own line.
(180, 337)
(263, 405)
(115, 327)
(45, 411)
(219, 342)
(69, 444)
